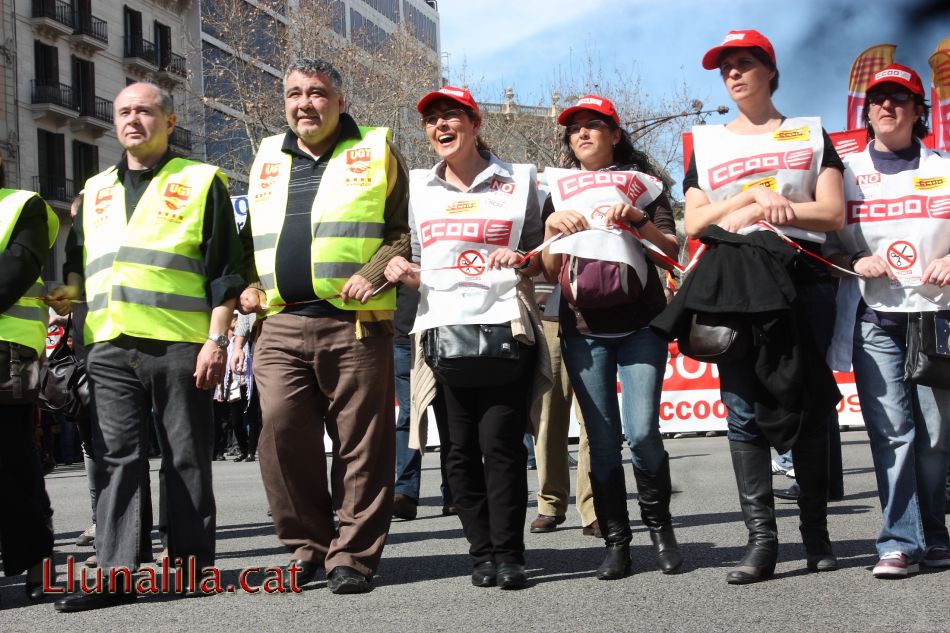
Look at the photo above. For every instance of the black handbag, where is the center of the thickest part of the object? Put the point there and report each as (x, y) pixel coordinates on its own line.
(64, 385)
(471, 355)
(928, 349)
(717, 338)
(19, 373)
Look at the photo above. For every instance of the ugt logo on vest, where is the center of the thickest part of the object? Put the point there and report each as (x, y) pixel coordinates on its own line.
(357, 160)
(103, 198)
(269, 173)
(733, 170)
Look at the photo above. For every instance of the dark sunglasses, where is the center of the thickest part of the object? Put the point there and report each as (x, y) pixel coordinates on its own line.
(593, 124)
(449, 115)
(878, 98)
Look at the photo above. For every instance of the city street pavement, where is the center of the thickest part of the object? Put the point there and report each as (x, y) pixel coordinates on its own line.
(423, 582)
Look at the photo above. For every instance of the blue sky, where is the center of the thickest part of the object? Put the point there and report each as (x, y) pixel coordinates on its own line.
(527, 43)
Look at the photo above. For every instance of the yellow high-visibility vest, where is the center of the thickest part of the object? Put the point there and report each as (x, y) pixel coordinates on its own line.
(25, 321)
(347, 217)
(145, 275)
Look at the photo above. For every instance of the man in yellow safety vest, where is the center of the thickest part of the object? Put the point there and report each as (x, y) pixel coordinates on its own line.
(328, 209)
(157, 249)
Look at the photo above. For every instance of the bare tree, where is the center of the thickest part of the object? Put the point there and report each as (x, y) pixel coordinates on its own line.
(384, 74)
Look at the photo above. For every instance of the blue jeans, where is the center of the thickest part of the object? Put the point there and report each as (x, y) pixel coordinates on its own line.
(593, 364)
(408, 460)
(909, 428)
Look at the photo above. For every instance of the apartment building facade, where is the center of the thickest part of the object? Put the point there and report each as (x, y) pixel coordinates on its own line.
(61, 64)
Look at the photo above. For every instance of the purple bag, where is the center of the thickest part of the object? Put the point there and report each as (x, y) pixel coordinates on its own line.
(596, 283)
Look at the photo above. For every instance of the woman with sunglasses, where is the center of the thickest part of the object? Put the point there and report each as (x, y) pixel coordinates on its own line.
(762, 166)
(598, 342)
(470, 215)
(903, 257)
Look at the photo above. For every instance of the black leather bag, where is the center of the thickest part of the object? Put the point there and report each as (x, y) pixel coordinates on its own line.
(19, 373)
(64, 385)
(928, 349)
(717, 338)
(470, 355)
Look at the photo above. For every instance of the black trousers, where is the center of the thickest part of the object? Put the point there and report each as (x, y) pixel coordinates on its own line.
(26, 534)
(487, 466)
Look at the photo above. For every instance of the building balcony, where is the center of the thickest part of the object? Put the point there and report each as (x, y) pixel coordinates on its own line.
(140, 56)
(52, 18)
(53, 101)
(180, 141)
(95, 115)
(91, 34)
(56, 191)
(173, 69)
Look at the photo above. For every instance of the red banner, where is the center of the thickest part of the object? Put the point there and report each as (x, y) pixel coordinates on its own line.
(940, 96)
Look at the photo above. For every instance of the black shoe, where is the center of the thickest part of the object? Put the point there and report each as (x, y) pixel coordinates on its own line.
(483, 574)
(758, 564)
(668, 556)
(304, 572)
(448, 510)
(345, 579)
(655, 491)
(616, 563)
(752, 464)
(251, 458)
(404, 507)
(34, 591)
(789, 494)
(240, 458)
(511, 576)
(89, 601)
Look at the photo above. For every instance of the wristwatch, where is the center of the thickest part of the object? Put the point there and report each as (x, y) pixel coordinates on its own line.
(219, 339)
(643, 221)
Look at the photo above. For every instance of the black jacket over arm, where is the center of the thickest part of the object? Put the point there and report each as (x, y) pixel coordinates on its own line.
(749, 275)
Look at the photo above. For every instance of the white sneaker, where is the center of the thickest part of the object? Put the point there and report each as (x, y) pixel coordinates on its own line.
(778, 469)
(88, 537)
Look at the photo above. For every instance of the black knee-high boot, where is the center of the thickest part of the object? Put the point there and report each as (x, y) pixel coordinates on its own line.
(752, 465)
(654, 492)
(610, 506)
(810, 456)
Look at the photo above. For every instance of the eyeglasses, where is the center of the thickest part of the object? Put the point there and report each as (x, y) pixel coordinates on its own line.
(878, 98)
(449, 116)
(594, 124)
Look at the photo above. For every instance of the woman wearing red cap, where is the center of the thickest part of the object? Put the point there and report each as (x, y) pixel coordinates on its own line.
(600, 339)
(762, 166)
(470, 215)
(903, 257)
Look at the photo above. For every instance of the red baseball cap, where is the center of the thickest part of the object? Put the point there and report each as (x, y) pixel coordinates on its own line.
(900, 75)
(600, 105)
(738, 39)
(459, 95)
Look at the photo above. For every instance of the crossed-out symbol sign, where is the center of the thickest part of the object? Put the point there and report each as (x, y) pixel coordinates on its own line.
(53, 334)
(471, 263)
(901, 255)
(600, 213)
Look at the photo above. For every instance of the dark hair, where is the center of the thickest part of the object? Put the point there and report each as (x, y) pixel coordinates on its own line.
(315, 66)
(625, 154)
(760, 55)
(921, 128)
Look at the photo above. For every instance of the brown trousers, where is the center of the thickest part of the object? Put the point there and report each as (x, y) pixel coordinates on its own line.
(550, 446)
(312, 374)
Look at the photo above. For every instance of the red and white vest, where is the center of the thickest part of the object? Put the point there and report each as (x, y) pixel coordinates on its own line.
(457, 232)
(786, 160)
